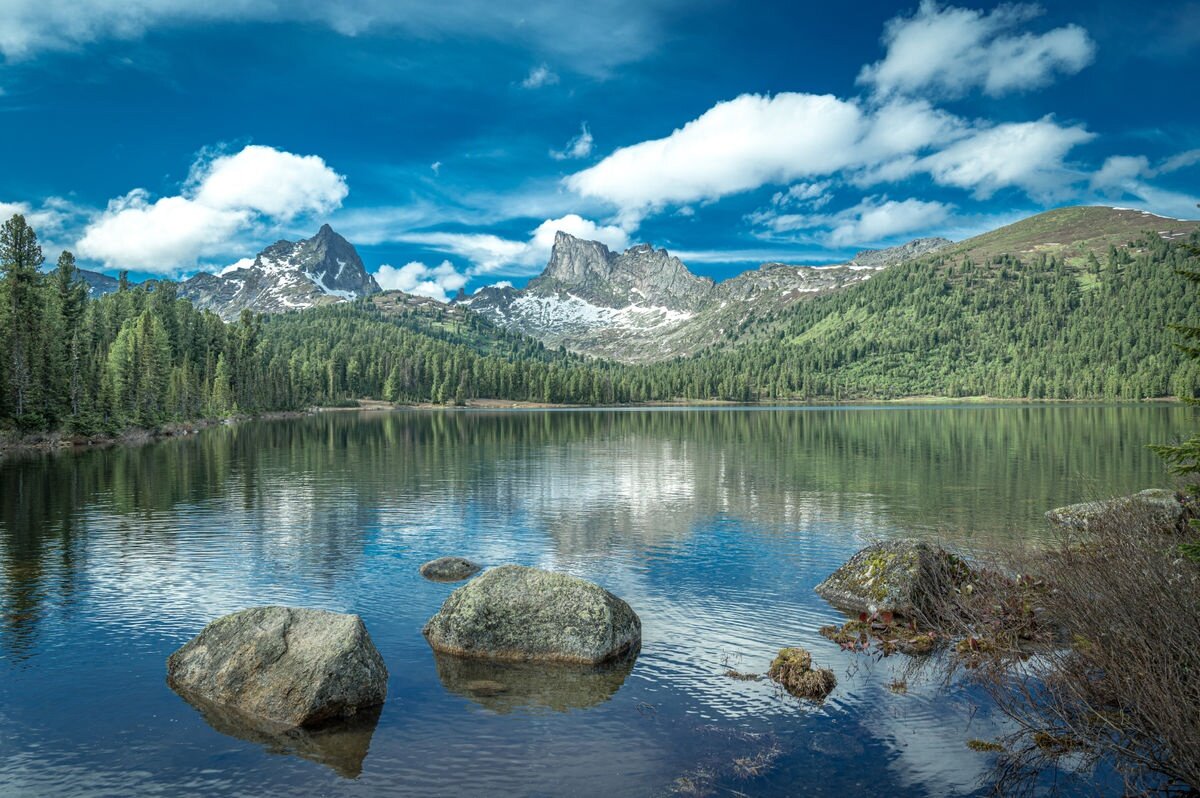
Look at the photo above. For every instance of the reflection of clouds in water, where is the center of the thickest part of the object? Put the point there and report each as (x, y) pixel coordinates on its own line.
(928, 732)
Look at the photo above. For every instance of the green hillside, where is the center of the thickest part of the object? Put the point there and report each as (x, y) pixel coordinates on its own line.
(1074, 303)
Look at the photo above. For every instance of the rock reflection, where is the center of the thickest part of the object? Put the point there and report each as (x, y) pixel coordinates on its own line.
(340, 746)
(505, 687)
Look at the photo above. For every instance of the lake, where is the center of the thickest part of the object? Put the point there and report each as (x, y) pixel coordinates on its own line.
(714, 524)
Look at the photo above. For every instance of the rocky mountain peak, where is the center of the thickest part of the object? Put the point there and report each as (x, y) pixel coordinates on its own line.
(287, 275)
(641, 274)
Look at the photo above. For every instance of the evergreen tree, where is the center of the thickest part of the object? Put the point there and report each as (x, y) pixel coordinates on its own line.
(20, 257)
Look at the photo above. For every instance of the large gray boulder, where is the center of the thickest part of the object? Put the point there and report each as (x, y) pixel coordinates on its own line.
(904, 577)
(297, 667)
(1147, 510)
(518, 613)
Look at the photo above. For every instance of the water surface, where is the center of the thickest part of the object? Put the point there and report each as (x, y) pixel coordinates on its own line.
(714, 524)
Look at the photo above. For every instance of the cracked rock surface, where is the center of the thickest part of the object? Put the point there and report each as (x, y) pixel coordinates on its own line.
(297, 667)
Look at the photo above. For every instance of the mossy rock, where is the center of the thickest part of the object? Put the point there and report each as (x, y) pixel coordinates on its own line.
(898, 576)
(792, 669)
(1147, 509)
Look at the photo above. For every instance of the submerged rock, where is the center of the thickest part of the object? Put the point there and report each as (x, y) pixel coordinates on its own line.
(503, 686)
(296, 667)
(340, 745)
(1148, 509)
(896, 576)
(519, 613)
(449, 569)
(792, 669)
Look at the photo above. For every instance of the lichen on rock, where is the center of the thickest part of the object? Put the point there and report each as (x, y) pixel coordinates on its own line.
(897, 576)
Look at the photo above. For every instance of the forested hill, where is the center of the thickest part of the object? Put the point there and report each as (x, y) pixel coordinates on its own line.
(1025, 312)
(1072, 304)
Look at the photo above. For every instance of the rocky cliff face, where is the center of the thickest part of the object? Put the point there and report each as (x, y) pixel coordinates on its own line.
(639, 275)
(288, 275)
(644, 305)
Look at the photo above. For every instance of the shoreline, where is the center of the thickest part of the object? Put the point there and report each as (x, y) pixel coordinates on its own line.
(11, 443)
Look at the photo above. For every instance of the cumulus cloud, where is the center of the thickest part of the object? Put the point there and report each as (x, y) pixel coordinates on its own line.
(754, 140)
(952, 50)
(489, 253)
(269, 181)
(578, 147)
(224, 196)
(735, 146)
(538, 77)
(436, 282)
(873, 220)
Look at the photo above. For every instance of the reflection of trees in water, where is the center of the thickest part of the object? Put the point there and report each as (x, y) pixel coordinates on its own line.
(306, 491)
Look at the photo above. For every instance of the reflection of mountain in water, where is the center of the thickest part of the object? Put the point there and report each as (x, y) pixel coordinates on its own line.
(307, 494)
(509, 686)
(341, 746)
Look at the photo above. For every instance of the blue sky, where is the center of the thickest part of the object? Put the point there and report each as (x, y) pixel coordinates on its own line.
(449, 141)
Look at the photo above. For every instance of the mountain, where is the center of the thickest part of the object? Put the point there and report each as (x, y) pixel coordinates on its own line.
(98, 284)
(1072, 303)
(643, 305)
(288, 275)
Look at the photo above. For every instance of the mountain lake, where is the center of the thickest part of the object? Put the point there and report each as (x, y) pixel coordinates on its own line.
(714, 524)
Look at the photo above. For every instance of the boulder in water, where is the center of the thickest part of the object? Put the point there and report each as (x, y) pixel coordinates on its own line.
(527, 614)
(296, 667)
(449, 569)
(897, 576)
(1148, 509)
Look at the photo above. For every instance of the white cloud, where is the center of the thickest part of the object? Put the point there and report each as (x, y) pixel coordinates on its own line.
(490, 253)
(591, 37)
(1123, 178)
(240, 263)
(578, 147)
(1119, 170)
(225, 195)
(573, 224)
(538, 77)
(269, 181)
(49, 220)
(873, 220)
(1028, 155)
(734, 146)
(812, 195)
(436, 282)
(755, 140)
(953, 50)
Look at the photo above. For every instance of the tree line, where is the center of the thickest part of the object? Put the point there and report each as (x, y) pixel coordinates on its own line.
(1042, 328)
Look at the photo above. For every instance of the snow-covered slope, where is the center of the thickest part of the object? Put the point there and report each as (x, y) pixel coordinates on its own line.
(288, 275)
(644, 305)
